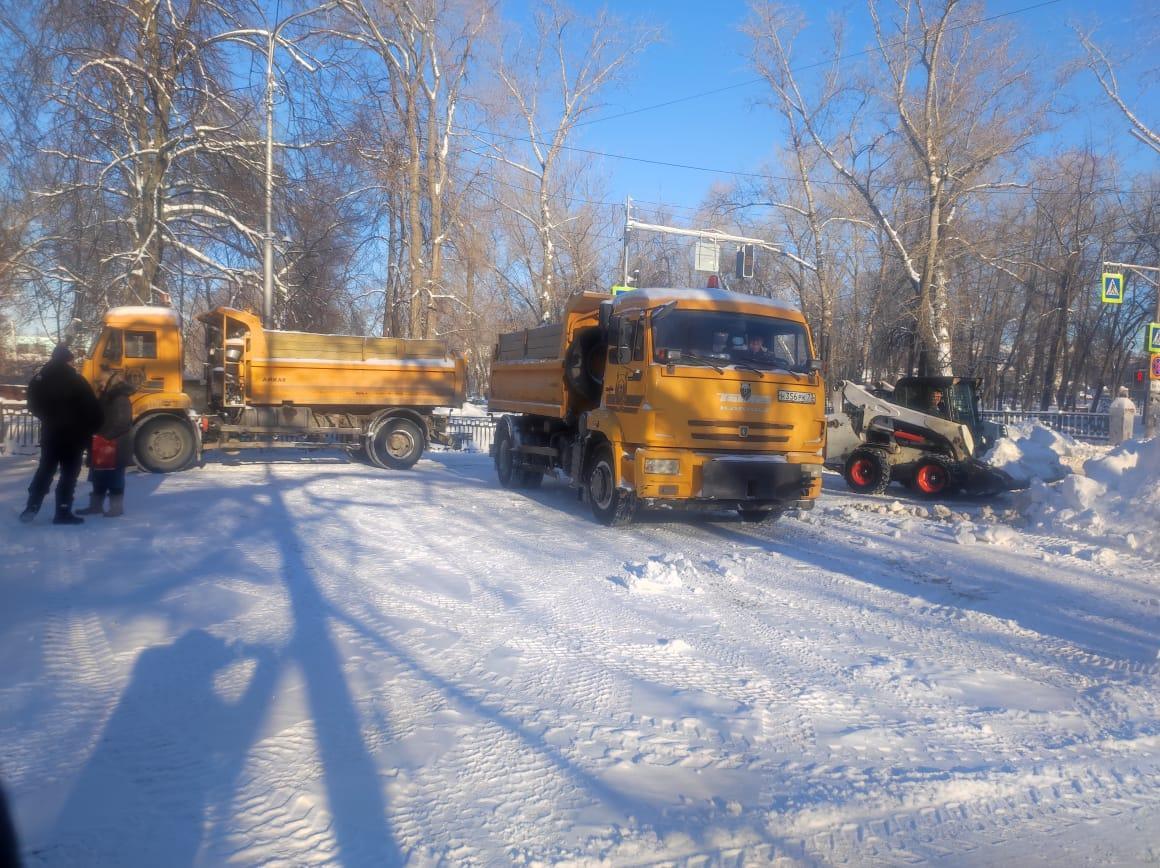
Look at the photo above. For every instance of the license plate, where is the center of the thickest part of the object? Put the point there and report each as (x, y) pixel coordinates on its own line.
(796, 397)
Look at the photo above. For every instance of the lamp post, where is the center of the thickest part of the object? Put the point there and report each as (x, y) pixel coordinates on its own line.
(268, 238)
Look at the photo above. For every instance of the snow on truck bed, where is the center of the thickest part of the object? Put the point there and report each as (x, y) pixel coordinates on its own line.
(310, 661)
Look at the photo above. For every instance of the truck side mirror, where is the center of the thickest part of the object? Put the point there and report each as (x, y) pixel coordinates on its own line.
(814, 365)
(623, 355)
(605, 316)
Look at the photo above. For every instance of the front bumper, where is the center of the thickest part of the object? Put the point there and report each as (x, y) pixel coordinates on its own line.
(713, 478)
(745, 480)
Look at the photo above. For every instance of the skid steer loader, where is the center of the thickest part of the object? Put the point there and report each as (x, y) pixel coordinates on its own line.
(927, 434)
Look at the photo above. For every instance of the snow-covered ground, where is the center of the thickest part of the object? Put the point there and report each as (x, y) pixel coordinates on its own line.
(312, 661)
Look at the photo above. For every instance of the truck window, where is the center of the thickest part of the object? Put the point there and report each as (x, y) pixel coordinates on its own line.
(141, 345)
(730, 338)
(112, 352)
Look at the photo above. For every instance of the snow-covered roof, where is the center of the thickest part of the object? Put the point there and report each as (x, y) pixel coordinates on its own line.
(649, 296)
(141, 311)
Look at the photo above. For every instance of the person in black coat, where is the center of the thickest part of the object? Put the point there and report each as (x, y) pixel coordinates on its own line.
(69, 415)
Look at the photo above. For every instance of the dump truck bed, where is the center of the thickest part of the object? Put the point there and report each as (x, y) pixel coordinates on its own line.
(338, 373)
(527, 375)
(527, 371)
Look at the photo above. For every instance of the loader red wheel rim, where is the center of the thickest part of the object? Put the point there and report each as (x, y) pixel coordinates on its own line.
(862, 472)
(930, 479)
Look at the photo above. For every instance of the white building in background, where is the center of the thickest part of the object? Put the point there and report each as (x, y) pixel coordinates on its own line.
(21, 355)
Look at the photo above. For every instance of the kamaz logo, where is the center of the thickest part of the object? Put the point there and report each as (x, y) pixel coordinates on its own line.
(746, 391)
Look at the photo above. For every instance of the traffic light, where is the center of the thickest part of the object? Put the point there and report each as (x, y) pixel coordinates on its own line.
(1141, 376)
(744, 268)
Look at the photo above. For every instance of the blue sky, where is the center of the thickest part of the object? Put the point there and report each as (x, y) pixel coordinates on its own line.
(703, 49)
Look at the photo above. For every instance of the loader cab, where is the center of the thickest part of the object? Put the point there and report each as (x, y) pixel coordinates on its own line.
(959, 401)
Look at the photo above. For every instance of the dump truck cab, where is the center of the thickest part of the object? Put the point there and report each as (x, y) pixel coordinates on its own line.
(666, 397)
(143, 344)
(713, 397)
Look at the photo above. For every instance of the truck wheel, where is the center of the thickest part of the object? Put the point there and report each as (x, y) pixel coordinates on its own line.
(867, 471)
(759, 516)
(399, 444)
(505, 469)
(582, 361)
(610, 505)
(164, 444)
(933, 477)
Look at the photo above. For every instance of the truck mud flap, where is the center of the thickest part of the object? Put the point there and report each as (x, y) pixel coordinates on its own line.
(740, 480)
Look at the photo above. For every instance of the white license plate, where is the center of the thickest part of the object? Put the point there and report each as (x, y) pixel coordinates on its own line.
(796, 397)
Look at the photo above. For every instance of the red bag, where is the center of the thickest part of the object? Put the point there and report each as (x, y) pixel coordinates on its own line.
(103, 453)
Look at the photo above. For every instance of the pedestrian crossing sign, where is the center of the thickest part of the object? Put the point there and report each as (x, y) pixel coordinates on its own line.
(1153, 344)
(1113, 289)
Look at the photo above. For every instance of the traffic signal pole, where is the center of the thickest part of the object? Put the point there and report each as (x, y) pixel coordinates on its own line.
(1151, 404)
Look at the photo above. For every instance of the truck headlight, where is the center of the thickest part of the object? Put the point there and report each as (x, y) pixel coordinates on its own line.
(664, 466)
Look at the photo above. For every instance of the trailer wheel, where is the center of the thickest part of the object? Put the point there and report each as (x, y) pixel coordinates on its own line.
(399, 444)
(582, 362)
(933, 477)
(611, 506)
(867, 471)
(164, 444)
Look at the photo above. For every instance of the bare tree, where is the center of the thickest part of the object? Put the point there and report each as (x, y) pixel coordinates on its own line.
(426, 48)
(552, 86)
(1105, 73)
(924, 130)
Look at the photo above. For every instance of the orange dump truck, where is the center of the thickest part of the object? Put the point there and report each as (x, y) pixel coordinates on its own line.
(275, 388)
(664, 397)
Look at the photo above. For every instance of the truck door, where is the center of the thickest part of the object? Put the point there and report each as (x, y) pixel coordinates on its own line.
(624, 379)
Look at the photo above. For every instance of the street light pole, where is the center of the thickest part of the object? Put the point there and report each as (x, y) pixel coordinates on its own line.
(268, 238)
(268, 235)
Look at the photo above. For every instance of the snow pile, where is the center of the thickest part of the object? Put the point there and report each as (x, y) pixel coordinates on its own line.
(1031, 451)
(661, 574)
(1116, 499)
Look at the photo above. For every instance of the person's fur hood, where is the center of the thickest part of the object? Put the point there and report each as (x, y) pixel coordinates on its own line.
(117, 387)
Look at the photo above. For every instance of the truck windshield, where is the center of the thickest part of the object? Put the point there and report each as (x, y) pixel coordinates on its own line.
(761, 342)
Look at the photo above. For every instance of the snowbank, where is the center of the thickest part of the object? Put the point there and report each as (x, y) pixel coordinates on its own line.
(1117, 499)
(1031, 451)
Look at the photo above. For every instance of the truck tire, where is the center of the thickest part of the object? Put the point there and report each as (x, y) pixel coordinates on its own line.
(581, 361)
(933, 477)
(505, 470)
(611, 506)
(867, 471)
(399, 444)
(511, 474)
(164, 444)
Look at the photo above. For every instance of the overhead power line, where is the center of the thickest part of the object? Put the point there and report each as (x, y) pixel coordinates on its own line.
(808, 66)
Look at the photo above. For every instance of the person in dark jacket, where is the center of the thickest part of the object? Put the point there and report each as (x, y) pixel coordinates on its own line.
(117, 427)
(69, 415)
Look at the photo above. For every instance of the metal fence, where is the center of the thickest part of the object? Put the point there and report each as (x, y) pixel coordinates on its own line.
(471, 433)
(1092, 427)
(19, 431)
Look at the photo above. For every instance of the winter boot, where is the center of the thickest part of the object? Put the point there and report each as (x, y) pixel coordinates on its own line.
(30, 512)
(64, 515)
(116, 506)
(96, 505)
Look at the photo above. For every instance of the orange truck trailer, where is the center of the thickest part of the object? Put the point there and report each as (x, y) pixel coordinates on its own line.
(267, 388)
(664, 397)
